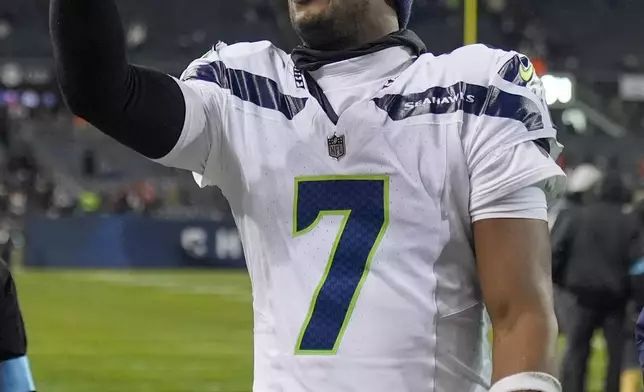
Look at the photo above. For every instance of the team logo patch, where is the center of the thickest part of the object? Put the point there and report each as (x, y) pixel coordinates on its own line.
(520, 71)
(526, 69)
(336, 146)
(529, 77)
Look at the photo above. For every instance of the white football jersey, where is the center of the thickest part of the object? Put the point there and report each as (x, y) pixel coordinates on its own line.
(357, 229)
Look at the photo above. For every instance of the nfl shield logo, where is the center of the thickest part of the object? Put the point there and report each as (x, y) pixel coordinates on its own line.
(336, 146)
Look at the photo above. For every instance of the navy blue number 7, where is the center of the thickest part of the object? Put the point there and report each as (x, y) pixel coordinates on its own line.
(363, 201)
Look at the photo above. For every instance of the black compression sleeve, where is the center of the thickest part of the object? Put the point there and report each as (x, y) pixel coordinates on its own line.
(141, 108)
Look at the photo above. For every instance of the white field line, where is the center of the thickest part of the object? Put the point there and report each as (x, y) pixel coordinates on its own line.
(165, 283)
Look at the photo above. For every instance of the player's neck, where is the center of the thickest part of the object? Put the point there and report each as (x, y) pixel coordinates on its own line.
(369, 32)
(382, 21)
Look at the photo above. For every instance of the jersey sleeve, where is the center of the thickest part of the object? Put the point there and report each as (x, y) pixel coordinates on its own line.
(512, 144)
(198, 148)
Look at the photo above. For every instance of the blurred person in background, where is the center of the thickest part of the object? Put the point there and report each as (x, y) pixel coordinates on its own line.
(594, 254)
(580, 189)
(6, 243)
(62, 203)
(119, 202)
(89, 202)
(89, 164)
(4, 199)
(148, 197)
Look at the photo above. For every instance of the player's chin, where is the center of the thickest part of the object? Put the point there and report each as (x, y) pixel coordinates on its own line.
(303, 10)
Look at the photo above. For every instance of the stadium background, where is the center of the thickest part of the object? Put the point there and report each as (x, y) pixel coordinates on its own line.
(120, 261)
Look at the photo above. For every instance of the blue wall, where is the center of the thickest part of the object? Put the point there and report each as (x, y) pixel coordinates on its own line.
(130, 242)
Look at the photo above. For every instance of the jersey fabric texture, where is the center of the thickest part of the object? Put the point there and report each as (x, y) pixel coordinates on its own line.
(357, 233)
(526, 203)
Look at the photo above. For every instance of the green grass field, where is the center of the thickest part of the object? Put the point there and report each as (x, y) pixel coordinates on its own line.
(144, 331)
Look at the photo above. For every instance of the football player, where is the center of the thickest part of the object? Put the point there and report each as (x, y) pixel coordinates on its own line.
(386, 197)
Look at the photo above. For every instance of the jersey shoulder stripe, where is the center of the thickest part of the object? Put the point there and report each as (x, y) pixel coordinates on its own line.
(475, 80)
(260, 90)
(468, 98)
(518, 70)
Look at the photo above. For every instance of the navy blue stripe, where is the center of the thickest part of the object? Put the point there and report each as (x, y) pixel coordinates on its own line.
(516, 107)
(469, 98)
(249, 87)
(543, 143)
(510, 71)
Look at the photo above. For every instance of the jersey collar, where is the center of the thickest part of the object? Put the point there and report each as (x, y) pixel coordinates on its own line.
(348, 74)
(307, 59)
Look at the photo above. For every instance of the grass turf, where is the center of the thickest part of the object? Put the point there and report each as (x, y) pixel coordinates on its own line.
(170, 331)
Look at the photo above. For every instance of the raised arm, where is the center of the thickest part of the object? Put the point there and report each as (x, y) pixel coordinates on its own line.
(99, 85)
(144, 109)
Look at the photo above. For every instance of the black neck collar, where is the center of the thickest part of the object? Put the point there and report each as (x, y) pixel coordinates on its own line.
(308, 59)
